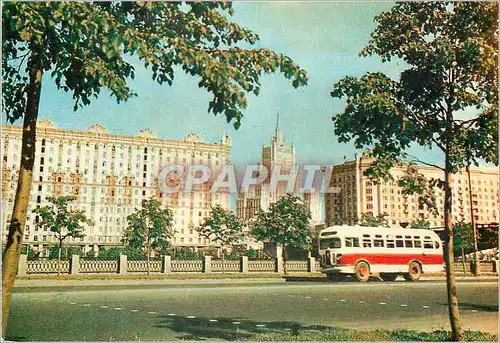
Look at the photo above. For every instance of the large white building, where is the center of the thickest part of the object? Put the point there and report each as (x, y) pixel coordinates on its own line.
(109, 175)
(360, 195)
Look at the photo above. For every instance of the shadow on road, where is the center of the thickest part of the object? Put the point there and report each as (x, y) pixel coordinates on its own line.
(16, 338)
(200, 329)
(324, 279)
(478, 307)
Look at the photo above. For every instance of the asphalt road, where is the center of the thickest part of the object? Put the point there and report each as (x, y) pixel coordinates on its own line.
(231, 312)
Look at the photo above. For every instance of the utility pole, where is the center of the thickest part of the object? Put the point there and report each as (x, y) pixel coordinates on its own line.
(473, 223)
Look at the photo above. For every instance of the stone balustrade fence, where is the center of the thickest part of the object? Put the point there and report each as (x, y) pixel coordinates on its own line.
(76, 265)
(46, 266)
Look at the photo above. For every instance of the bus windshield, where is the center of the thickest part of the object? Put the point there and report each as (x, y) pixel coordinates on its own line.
(333, 243)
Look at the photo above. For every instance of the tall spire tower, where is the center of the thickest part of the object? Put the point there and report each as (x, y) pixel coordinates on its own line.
(277, 130)
(278, 152)
(278, 136)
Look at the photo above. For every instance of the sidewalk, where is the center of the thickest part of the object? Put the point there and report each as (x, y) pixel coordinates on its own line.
(198, 280)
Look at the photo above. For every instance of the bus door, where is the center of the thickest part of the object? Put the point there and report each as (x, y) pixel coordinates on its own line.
(330, 245)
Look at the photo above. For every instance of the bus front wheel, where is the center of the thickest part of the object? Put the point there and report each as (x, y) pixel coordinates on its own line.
(414, 272)
(362, 271)
(388, 276)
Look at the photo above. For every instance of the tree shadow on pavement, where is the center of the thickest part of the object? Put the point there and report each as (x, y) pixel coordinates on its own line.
(324, 279)
(478, 307)
(16, 338)
(199, 329)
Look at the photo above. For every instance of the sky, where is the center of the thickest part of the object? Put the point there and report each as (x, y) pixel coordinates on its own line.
(324, 38)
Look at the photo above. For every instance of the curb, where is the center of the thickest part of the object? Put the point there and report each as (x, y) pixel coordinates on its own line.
(50, 284)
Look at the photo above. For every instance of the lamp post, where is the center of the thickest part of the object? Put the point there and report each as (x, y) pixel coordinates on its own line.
(473, 223)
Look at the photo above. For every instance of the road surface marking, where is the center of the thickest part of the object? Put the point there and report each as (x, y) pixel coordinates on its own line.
(212, 320)
(260, 325)
(72, 303)
(474, 310)
(86, 305)
(404, 305)
(190, 317)
(361, 302)
(425, 306)
(287, 329)
(104, 306)
(342, 300)
(382, 303)
(134, 310)
(236, 323)
(308, 297)
(118, 308)
(171, 314)
(152, 312)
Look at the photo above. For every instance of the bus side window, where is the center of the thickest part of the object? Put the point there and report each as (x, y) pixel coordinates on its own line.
(408, 243)
(352, 242)
(378, 243)
(399, 243)
(418, 244)
(436, 245)
(355, 241)
(367, 243)
(390, 243)
(428, 245)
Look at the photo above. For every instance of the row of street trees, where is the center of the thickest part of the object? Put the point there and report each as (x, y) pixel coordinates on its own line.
(149, 229)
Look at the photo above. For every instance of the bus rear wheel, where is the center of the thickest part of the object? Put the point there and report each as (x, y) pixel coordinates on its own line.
(414, 272)
(362, 271)
(388, 276)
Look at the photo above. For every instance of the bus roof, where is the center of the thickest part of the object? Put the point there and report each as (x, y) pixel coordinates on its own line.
(345, 229)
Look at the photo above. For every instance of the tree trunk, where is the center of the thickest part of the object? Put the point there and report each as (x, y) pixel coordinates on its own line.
(223, 261)
(18, 219)
(463, 261)
(451, 287)
(59, 258)
(283, 258)
(149, 252)
(473, 223)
